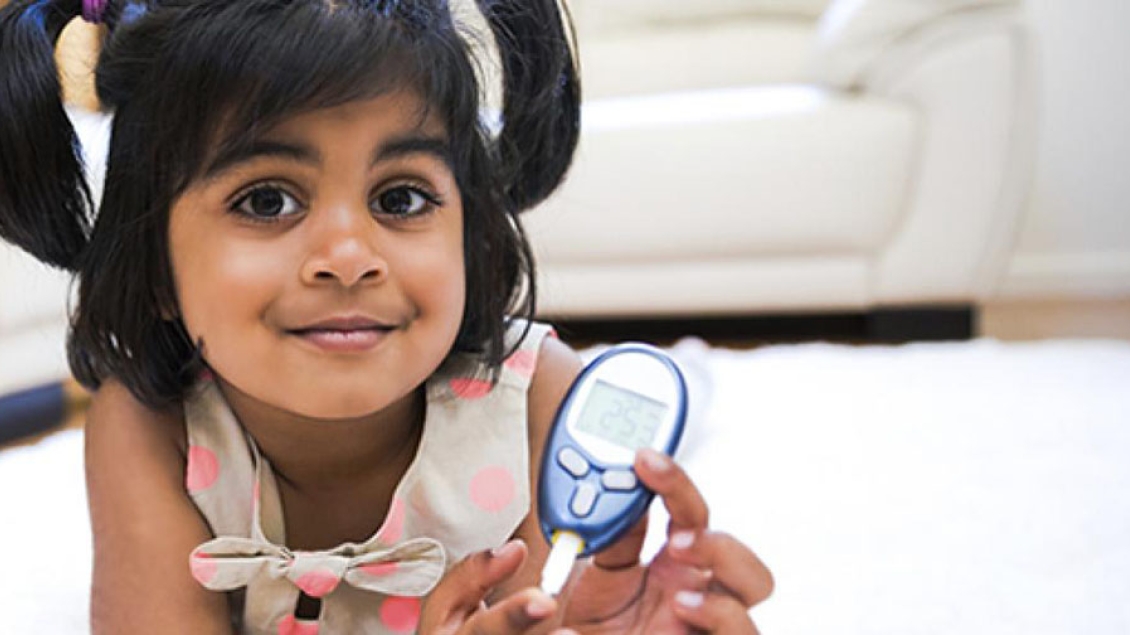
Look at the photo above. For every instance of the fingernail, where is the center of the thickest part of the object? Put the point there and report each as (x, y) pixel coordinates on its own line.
(682, 539)
(502, 550)
(689, 599)
(539, 607)
(656, 461)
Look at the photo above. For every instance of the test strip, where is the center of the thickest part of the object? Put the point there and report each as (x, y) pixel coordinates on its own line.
(566, 546)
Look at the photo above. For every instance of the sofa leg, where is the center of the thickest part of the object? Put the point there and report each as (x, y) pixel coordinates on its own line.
(922, 324)
(30, 413)
(889, 325)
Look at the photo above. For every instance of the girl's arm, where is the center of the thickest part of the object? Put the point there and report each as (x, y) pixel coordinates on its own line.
(144, 525)
(557, 367)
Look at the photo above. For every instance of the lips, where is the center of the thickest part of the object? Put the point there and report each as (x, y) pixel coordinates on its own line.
(345, 323)
(348, 334)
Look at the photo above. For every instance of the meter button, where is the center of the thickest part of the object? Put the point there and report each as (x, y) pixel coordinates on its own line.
(618, 480)
(584, 498)
(573, 462)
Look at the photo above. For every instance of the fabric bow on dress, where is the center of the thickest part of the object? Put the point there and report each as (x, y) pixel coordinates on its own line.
(409, 568)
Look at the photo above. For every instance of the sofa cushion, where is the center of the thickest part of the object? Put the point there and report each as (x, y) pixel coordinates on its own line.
(33, 321)
(33, 356)
(851, 34)
(730, 174)
(30, 292)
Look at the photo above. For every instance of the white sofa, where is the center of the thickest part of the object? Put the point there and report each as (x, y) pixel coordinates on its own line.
(751, 156)
(32, 321)
(742, 156)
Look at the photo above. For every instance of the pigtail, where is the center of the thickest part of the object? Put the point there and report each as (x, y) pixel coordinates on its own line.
(541, 96)
(45, 203)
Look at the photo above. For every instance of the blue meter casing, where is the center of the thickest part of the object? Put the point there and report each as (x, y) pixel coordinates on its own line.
(631, 396)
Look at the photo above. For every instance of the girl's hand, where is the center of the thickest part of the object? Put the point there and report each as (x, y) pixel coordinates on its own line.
(700, 581)
(457, 607)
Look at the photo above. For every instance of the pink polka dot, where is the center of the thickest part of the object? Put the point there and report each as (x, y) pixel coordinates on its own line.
(206, 375)
(202, 469)
(291, 626)
(380, 569)
(393, 527)
(401, 615)
(203, 568)
(493, 488)
(522, 362)
(317, 583)
(470, 388)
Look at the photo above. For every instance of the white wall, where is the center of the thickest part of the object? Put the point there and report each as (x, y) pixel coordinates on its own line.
(1074, 241)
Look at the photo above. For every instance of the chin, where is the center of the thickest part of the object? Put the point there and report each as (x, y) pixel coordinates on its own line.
(336, 404)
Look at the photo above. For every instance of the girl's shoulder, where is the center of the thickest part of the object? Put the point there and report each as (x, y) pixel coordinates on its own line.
(116, 413)
(143, 523)
(556, 368)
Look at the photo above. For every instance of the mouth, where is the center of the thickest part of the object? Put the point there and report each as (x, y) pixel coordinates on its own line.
(343, 334)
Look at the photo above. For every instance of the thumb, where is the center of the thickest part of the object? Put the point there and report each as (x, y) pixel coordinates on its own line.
(462, 590)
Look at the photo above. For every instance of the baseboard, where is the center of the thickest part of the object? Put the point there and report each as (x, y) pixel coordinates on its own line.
(1067, 276)
(1056, 319)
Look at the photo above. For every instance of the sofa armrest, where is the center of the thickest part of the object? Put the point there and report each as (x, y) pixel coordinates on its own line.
(856, 37)
(971, 75)
(605, 16)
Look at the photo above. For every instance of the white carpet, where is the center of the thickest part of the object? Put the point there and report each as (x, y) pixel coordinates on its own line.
(931, 488)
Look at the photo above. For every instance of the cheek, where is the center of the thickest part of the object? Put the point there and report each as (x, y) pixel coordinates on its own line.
(218, 281)
(437, 268)
(439, 280)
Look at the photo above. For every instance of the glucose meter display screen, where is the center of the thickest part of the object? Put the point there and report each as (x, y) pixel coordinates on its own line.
(620, 416)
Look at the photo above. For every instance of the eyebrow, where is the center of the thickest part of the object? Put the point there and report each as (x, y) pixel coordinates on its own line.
(397, 147)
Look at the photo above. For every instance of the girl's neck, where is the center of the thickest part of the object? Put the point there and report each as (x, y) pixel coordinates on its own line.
(322, 455)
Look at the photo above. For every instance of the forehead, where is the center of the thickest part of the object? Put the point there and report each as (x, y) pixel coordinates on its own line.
(398, 111)
(244, 79)
(388, 125)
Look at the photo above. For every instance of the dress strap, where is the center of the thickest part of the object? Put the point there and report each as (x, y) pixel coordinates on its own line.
(519, 367)
(220, 470)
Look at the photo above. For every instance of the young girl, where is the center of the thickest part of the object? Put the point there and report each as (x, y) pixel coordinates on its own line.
(305, 307)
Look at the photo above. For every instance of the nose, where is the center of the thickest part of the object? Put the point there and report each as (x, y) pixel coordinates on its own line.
(344, 249)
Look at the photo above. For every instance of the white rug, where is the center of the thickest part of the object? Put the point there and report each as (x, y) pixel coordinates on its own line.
(931, 488)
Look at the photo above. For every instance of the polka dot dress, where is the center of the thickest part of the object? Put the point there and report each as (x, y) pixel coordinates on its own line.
(467, 490)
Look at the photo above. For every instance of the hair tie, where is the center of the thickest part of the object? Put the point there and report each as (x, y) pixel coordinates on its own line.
(93, 11)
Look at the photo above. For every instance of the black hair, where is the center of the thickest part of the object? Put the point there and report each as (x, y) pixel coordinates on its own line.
(182, 75)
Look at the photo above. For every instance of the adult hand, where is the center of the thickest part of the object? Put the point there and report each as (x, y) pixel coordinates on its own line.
(701, 581)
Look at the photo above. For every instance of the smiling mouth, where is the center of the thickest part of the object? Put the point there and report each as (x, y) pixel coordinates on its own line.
(343, 341)
(344, 336)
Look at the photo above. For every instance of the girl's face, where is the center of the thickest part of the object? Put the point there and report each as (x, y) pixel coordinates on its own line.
(322, 267)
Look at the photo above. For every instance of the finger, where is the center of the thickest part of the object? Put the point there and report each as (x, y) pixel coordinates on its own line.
(682, 499)
(734, 566)
(713, 613)
(625, 552)
(462, 590)
(515, 614)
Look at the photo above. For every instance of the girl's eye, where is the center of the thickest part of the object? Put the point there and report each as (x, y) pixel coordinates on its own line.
(266, 203)
(405, 201)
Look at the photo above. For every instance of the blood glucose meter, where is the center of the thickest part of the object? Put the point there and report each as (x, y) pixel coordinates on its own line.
(630, 397)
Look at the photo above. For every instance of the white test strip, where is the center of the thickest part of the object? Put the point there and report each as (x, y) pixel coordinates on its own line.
(566, 546)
